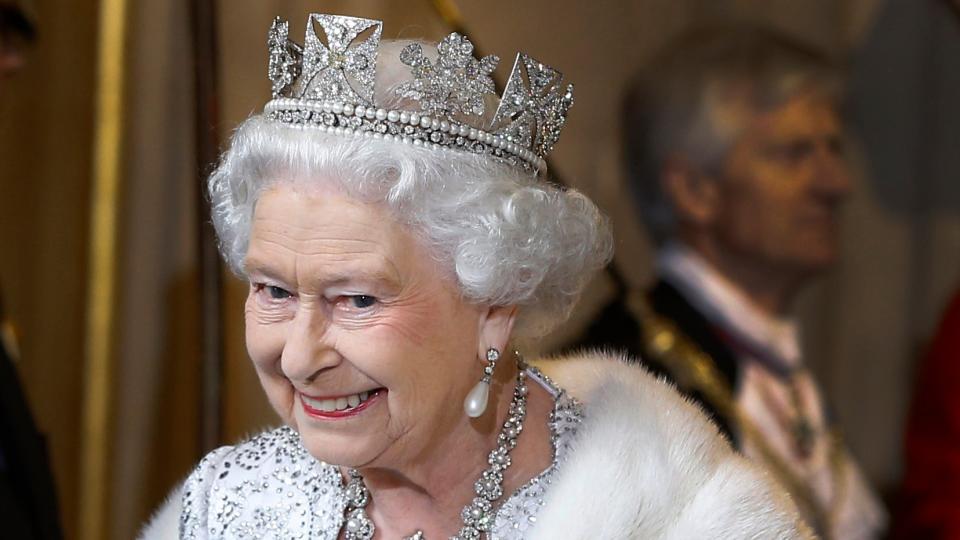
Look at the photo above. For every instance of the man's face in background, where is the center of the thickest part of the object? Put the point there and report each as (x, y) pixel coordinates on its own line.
(782, 186)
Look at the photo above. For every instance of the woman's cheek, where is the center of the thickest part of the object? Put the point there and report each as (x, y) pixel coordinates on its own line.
(264, 345)
(413, 318)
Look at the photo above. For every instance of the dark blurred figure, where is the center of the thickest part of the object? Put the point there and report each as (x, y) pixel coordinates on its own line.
(17, 32)
(929, 502)
(28, 505)
(928, 505)
(734, 148)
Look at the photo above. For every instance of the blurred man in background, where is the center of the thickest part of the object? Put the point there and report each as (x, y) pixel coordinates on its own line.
(734, 147)
(28, 505)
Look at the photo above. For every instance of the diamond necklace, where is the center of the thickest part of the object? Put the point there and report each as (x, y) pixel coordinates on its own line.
(479, 515)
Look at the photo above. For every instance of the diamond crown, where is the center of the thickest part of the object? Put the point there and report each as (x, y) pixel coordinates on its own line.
(330, 86)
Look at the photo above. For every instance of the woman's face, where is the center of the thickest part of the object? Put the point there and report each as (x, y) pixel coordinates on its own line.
(361, 342)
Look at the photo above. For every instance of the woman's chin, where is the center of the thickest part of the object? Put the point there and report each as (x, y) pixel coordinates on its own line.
(349, 440)
(342, 450)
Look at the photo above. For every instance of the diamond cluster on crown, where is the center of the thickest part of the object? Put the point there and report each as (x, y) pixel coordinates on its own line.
(330, 86)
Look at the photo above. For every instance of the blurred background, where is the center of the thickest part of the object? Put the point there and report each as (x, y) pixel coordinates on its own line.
(101, 215)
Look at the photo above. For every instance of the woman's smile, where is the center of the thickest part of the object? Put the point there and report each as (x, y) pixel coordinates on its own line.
(344, 406)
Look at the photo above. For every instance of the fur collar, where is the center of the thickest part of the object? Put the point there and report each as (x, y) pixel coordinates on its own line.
(646, 464)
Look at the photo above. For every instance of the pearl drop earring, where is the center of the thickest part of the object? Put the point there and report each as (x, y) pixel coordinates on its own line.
(476, 401)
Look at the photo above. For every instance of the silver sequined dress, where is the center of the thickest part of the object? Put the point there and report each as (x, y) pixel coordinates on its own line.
(270, 487)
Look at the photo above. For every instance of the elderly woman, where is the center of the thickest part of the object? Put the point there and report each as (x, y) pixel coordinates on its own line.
(392, 219)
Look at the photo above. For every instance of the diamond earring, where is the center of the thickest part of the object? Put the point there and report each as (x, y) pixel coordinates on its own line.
(476, 401)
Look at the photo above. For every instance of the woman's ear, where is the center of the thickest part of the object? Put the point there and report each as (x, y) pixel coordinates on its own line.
(496, 325)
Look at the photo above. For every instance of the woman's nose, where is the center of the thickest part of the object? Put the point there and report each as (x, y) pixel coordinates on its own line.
(307, 351)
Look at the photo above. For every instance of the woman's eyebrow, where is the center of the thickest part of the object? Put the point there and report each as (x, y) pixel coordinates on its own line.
(255, 266)
(384, 271)
(380, 275)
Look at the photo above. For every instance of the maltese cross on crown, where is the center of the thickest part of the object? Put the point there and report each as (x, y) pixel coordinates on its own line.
(537, 110)
(329, 84)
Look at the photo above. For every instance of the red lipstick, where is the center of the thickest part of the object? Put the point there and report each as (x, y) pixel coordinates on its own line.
(346, 413)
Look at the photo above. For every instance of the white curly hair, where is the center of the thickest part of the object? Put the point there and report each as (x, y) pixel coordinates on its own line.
(507, 237)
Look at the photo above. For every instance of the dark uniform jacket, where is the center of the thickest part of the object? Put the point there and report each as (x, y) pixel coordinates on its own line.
(659, 327)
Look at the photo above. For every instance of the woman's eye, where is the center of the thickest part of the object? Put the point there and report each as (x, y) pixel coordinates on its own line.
(278, 293)
(362, 301)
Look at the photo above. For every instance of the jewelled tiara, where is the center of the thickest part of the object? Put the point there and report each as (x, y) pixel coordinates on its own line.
(331, 87)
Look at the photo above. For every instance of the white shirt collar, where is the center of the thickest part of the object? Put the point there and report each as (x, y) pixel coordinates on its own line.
(724, 304)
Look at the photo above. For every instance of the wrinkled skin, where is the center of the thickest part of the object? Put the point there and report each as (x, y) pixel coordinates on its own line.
(342, 300)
